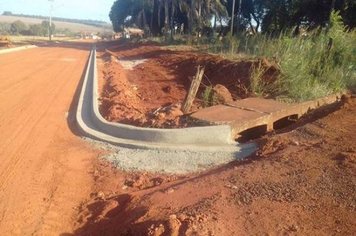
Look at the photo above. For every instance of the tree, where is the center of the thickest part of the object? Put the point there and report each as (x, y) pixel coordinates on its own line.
(5, 28)
(7, 13)
(45, 28)
(268, 16)
(36, 30)
(17, 27)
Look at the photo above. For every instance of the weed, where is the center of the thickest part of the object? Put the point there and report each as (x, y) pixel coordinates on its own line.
(208, 96)
(312, 66)
(257, 85)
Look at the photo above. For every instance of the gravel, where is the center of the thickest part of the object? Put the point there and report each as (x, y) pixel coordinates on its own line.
(169, 161)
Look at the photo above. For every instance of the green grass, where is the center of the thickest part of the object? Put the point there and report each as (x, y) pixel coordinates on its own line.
(208, 96)
(322, 63)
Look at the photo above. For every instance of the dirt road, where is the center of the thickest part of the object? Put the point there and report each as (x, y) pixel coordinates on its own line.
(301, 181)
(44, 166)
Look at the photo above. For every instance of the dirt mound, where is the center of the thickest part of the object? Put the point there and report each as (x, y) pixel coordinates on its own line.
(222, 94)
(132, 96)
(300, 182)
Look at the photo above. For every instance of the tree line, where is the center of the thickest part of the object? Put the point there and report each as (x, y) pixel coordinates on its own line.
(20, 28)
(158, 17)
(96, 23)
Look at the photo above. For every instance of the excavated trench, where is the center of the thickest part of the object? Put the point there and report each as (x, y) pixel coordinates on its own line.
(146, 85)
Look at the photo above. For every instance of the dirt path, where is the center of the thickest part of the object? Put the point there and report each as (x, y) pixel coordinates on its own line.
(44, 166)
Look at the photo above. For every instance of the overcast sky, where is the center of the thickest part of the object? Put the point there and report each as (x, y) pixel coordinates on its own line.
(76, 9)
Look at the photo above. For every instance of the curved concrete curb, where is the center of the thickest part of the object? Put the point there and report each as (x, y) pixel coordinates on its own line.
(4, 51)
(211, 138)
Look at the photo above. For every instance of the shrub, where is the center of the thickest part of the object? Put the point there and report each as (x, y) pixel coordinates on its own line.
(316, 65)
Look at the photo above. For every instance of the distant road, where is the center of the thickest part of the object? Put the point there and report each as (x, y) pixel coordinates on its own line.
(44, 166)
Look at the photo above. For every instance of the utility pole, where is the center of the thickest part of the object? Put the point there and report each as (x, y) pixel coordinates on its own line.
(232, 17)
(50, 20)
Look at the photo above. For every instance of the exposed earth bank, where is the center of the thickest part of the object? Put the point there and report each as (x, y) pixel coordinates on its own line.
(301, 182)
(145, 84)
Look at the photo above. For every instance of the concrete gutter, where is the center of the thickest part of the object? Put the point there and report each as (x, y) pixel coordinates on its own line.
(9, 50)
(210, 138)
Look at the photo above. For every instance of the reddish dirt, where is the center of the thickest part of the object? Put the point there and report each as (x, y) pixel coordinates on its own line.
(44, 166)
(162, 81)
(301, 182)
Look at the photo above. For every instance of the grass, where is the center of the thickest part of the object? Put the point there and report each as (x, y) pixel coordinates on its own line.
(208, 96)
(257, 85)
(322, 63)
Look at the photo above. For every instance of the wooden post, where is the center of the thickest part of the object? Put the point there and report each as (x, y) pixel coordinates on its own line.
(188, 101)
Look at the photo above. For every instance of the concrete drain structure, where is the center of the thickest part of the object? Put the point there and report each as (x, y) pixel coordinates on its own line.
(225, 122)
(216, 138)
(257, 113)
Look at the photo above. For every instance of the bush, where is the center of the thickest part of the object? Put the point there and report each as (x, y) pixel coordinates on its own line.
(313, 65)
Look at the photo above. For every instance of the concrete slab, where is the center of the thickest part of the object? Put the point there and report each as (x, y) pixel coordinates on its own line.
(224, 114)
(259, 105)
(251, 113)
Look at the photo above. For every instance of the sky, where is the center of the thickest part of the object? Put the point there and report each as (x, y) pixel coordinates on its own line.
(75, 9)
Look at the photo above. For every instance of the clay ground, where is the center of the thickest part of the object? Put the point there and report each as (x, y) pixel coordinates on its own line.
(145, 84)
(301, 182)
(44, 165)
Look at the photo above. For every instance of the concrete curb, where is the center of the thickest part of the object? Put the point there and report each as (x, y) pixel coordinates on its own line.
(211, 138)
(9, 50)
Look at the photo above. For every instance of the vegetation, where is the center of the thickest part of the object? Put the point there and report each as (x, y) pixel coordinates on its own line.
(208, 96)
(311, 41)
(159, 17)
(20, 28)
(80, 21)
(311, 66)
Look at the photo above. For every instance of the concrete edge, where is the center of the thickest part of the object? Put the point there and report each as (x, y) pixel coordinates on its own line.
(91, 122)
(16, 49)
(298, 109)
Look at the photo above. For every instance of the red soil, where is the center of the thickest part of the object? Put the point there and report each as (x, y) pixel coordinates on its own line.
(132, 96)
(43, 163)
(301, 182)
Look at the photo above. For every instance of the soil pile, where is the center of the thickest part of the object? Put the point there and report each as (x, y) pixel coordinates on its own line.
(160, 78)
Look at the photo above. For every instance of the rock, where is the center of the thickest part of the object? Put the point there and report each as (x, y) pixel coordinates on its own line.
(182, 217)
(156, 231)
(100, 195)
(124, 187)
(170, 190)
(174, 225)
(139, 182)
(222, 94)
(294, 228)
(129, 182)
(161, 116)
